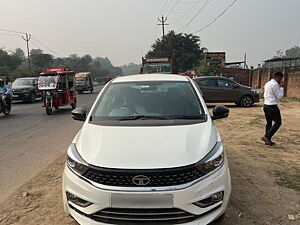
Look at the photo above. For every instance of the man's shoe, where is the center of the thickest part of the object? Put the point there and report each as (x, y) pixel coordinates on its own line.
(267, 141)
(273, 143)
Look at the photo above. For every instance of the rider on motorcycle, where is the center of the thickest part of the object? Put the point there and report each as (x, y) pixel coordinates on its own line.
(4, 92)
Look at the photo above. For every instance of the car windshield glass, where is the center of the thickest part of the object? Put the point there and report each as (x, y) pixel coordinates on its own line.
(48, 81)
(23, 82)
(80, 79)
(159, 100)
(158, 68)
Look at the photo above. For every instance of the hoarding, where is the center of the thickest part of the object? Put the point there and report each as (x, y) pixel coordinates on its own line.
(215, 59)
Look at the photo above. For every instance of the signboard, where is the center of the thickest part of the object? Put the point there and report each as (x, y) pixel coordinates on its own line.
(215, 59)
(58, 69)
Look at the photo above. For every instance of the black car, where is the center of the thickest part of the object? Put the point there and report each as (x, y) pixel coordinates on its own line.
(26, 89)
(222, 89)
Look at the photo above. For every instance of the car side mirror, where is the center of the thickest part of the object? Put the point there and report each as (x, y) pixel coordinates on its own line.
(220, 112)
(79, 114)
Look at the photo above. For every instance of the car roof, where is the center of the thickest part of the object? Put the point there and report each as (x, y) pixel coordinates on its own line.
(150, 77)
(211, 77)
(27, 78)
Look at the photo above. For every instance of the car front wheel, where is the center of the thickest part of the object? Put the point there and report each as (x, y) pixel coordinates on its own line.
(246, 101)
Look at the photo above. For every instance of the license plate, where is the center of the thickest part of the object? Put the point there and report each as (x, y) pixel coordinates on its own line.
(142, 200)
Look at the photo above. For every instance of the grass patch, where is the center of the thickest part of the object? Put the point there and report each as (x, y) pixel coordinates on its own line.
(289, 178)
(258, 120)
(290, 99)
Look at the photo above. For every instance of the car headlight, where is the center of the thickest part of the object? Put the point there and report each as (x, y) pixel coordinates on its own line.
(213, 160)
(75, 161)
(255, 91)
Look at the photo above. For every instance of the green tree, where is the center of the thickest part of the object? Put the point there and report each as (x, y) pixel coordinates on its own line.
(183, 49)
(293, 52)
(204, 70)
(8, 63)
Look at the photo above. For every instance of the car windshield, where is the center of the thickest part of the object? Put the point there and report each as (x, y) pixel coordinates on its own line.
(159, 100)
(23, 82)
(158, 68)
(48, 81)
(81, 79)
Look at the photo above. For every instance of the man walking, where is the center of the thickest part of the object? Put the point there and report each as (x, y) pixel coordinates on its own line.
(273, 92)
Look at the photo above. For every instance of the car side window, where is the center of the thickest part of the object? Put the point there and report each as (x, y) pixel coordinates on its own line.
(225, 83)
(207, 82)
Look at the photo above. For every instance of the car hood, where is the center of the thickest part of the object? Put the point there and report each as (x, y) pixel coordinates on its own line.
(145, 147)
(21, 87)
(246, 87)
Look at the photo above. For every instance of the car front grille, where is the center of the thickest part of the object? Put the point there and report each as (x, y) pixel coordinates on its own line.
(156, 177)
(129, 216)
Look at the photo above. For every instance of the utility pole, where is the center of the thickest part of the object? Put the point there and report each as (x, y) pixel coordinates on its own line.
(27, 39)
(163, 20)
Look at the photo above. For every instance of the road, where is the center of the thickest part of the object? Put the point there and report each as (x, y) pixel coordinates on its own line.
(30, 140)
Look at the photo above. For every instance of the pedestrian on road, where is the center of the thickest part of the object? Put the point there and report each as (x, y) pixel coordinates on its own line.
(273, 92)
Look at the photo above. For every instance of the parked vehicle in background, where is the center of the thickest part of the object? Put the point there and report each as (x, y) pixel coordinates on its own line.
(83, 82)
(156, 65)
(26, 89)
(168, 165)
(58, 88)
(222, 89)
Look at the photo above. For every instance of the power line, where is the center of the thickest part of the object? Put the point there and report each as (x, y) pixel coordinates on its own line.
(12, 31)
(222, 13)
(198, 12)
(169, 3)
(176, 3)
(15, 35)
(163, 9)
(188, 11)
(40, 43)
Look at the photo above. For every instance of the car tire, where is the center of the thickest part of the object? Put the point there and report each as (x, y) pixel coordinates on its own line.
(48, 110)
(73, 105)
(7, 110)
(32, 97)
(247, 101)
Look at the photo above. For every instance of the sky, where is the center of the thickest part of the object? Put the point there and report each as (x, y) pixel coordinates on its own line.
(124, 30)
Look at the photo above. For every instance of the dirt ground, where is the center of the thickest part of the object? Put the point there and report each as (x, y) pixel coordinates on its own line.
(265, 180)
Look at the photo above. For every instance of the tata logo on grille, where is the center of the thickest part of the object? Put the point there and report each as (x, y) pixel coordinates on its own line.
(141, 180)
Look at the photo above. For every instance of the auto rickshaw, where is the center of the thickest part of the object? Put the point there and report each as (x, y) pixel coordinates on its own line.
(57, 88)
(83, 82)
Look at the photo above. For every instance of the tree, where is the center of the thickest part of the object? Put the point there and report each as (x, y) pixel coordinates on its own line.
(293, 52)
(183, 49)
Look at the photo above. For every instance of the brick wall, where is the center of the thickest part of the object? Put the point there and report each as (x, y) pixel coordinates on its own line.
(293, 87)
(239, 75)
(292, 75)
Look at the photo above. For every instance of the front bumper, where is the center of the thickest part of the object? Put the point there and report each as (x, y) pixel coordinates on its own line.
(20, 95)
(181, 199)
(256, 97)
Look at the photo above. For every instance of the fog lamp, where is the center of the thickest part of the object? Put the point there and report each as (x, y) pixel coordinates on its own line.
(213, 199)
(78, 201)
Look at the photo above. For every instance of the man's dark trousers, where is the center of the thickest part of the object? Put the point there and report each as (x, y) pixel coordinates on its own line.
(272, 113)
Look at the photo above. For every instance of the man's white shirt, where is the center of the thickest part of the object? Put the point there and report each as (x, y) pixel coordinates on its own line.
(272, 93)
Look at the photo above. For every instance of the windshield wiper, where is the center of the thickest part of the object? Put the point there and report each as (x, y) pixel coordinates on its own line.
(185, 117)
(143, 117)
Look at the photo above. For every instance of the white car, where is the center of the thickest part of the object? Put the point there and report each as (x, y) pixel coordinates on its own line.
(148, 153)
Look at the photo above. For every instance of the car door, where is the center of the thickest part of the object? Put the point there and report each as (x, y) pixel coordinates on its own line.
(209, 88)
(229, 91)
